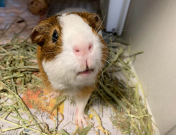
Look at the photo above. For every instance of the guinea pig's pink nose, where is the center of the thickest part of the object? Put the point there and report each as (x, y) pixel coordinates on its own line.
(82, 50)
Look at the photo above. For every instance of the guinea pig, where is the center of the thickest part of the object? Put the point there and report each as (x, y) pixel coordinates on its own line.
(70, 56)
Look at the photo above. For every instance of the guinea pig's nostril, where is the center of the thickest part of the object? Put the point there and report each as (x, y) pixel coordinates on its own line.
(90, 47)
(76, 50)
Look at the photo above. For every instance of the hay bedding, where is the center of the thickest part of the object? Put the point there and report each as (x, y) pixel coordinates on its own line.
(21, 91)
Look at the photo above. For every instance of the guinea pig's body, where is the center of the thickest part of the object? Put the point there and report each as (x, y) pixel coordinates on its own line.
(70, 56)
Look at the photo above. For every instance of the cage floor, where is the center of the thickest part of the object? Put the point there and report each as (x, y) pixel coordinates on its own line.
(12, 9)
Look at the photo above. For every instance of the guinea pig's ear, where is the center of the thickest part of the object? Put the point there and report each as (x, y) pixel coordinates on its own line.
(37, 36)
(93, 20)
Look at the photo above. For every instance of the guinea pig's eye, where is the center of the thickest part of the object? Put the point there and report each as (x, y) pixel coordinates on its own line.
(54, 36)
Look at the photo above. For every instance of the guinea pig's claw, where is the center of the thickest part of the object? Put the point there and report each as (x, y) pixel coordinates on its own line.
(81, 120)
(85, 116)
(54, 94)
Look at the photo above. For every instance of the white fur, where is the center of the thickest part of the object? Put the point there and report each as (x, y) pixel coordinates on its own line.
(62, 71)
(80, 106)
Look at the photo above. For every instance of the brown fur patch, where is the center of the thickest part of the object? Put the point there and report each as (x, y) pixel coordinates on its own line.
(104, 50)
(47, 50)
(85, 92)
(42, 35)
(42, 72)
(92, 19)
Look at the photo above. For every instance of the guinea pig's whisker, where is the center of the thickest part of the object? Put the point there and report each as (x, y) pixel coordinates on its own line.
(54, 38)
(98, 86)
(49, 52)
(101, 69)
(101, 22)
(122, 30)
(106, 51)
(94, 84)
(106, 56)
(58, 46)
(113, 33)
(106, 36)
(105, 60)
(104, 45)
(58, 41)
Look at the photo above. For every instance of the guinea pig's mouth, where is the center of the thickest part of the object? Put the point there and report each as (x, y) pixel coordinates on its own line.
(85, 73)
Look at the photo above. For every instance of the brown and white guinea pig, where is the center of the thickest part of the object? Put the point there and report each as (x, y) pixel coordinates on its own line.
(70, 56)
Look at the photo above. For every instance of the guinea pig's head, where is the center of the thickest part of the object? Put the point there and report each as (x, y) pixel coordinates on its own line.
(71, 51)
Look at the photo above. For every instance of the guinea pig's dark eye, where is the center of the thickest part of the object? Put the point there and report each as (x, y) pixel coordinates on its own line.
(54, 36)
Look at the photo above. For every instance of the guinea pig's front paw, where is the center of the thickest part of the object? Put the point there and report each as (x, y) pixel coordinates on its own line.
(80, 120)
(54, 94)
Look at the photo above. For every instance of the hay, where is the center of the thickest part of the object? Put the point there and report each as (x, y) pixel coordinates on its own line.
(18, 72)
(122, 95)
